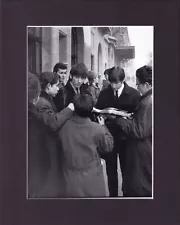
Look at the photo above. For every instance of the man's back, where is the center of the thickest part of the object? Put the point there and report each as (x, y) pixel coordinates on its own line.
(81, 142)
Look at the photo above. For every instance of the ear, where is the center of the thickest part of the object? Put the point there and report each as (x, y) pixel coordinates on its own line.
(70, 76)
(48, 86)
(148, 85)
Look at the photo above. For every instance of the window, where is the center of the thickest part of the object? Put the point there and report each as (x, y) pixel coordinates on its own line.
(34, 50)
(74, 47)
(62, 47)
(92, 39)
(109, 58)
(92, 62)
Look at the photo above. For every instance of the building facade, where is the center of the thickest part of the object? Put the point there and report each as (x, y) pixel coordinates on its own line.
(98, 48)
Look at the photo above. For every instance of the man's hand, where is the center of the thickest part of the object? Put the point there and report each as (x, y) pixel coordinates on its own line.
(101, 120)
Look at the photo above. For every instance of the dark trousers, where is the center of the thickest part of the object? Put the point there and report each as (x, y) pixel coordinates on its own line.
(111, 170)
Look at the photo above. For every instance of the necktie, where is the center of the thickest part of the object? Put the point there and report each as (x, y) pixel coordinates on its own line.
(77, 90)
(116, 94)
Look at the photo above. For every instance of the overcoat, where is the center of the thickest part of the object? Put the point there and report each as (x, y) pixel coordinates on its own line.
(43, 147)
(94, 90)
(137, 180)
(82, 142)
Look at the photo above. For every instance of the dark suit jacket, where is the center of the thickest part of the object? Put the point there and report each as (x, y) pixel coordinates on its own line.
(66, 95)
(127, 101)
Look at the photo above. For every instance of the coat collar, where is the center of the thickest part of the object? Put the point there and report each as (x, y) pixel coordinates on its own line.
(147, 94)
(79, 119)
(126, 89)
(45, 95)
(93, 85)
(61, 85)
(31, 109)
(69, 87)
(49, 99)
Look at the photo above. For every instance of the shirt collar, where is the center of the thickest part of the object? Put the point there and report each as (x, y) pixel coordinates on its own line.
(74, 88)
(120, 89)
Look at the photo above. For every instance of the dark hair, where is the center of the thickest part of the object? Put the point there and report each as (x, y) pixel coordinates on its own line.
(34, 87)
(79, 70)
(58, 66)
(48, 78)
(107, 71)
(116, 74)
(144, 74)
(83, 105)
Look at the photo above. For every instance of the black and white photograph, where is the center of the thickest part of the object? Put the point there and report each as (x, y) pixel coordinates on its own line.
(90, 113)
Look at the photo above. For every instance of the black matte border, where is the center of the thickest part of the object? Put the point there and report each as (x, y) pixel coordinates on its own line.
(14, 208)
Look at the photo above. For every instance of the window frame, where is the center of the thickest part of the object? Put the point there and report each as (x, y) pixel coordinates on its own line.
(35, 40)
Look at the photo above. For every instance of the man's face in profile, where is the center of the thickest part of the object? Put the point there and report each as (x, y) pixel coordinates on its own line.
(106, 76)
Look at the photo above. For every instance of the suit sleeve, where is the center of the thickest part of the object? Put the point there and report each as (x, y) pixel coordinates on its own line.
(140, 126)
(135, 100)
(101, 103)
(105, 141)
(52, 119)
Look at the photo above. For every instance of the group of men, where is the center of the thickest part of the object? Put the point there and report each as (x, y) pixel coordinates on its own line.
(65, 160)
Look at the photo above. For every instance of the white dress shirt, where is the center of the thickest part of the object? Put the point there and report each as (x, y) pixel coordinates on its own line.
(119, 90)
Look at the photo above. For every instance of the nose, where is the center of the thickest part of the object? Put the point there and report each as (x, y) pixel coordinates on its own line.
(79, 79)
(113, 86)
